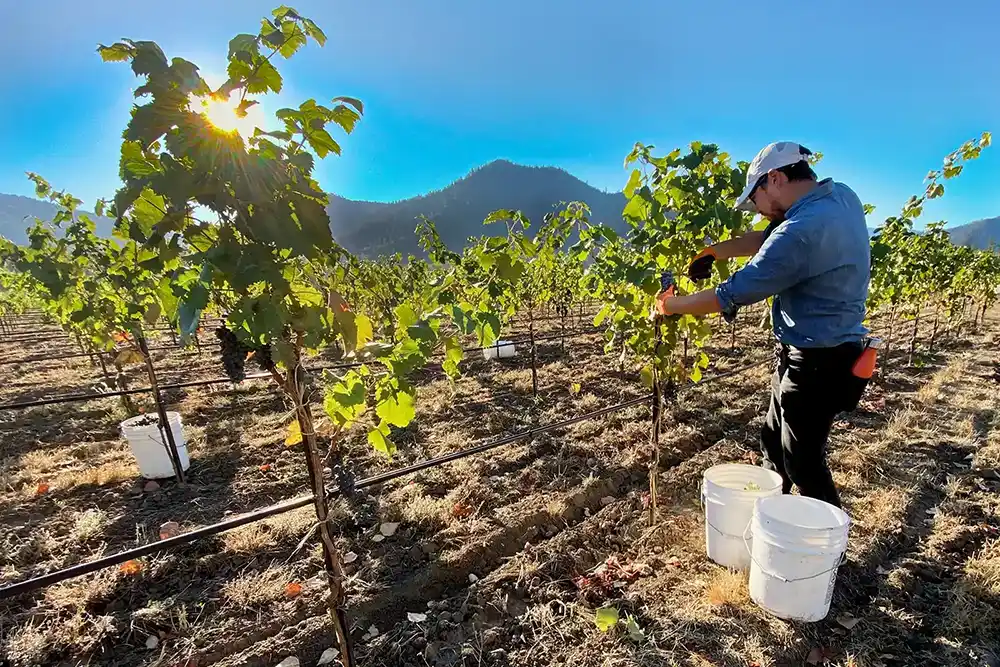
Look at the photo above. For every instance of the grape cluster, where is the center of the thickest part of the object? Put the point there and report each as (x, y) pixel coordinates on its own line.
(234, 354)
(262, 355)
(345, 479)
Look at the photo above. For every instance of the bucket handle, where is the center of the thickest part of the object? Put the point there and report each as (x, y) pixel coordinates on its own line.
(746, 542)
(704, 500)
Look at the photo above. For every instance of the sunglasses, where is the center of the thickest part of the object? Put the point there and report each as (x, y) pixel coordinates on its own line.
(753, 192)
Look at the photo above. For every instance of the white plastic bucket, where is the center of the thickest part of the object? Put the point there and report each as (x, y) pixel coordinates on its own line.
(503, 349)
(150, 448)
(798, 544)
(728, 494)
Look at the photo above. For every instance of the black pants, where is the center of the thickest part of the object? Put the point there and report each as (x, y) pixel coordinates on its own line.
(808, 389)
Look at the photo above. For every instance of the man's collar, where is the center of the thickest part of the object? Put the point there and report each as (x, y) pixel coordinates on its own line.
(822, 189)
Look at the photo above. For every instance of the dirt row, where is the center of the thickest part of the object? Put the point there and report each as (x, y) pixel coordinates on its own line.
(228, 600)
(206, 595)
(919, 466)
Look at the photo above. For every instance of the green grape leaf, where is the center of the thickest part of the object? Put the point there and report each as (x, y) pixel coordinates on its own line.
(243, 44)
(379, 440)
(365, 331)
(606, 618)
(452, 356)
(152, 313)
(344, 401)
(488, 328)
(635, 633)
(396, 407)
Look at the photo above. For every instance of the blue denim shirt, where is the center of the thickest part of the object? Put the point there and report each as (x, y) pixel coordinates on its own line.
(816, 264)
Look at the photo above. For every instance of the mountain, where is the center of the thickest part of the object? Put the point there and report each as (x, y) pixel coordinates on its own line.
(17, 213)
(371, 228)
(978, 234)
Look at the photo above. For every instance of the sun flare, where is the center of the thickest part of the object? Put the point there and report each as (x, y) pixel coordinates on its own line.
(222, 114)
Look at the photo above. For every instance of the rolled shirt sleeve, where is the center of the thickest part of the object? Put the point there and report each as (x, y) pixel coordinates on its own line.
(780, 263)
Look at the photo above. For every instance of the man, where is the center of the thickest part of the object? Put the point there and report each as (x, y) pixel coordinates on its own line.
(814, 259)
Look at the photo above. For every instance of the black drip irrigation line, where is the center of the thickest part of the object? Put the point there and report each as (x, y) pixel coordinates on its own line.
(20, 588)
(30, 360)
(44, 580)
(71, 398)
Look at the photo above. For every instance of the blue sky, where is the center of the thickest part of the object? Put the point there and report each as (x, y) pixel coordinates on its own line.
(883, 89)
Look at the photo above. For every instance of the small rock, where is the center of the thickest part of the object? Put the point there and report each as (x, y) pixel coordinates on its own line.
(388, 529)
(152, 642)
(329, 655)
(169, 529)
(373, 631)
(607, 500)
(350, 557)
(289, 662)
(378, 538)
(591, 463)
(416, 617)
(419, 642)
(151, 487)
(473, 578)
(444, 616)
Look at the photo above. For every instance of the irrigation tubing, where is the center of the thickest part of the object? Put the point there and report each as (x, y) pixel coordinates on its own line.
(71, 398)
(51, 578)
(29, 360)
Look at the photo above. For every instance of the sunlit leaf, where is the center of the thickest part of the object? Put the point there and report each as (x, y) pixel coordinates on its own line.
(606, 618)
(293, 435)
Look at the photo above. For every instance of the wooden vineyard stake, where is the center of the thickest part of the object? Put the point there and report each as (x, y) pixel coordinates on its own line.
(165, 430)
(336, 601)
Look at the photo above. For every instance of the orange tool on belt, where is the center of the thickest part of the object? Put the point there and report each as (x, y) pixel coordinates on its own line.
(865, 365)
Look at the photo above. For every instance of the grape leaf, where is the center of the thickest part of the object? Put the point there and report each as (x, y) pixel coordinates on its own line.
(606, 618)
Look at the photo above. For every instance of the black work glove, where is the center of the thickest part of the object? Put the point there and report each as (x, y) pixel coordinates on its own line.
(701, 266)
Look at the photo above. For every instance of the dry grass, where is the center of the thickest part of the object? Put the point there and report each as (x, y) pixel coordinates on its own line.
(89, 524)
(40, 462)
(111, 472)
(28, 645)
(32, 644)
(267, 533)
(976, 595)
(258, 588)
(82, 592)
(727, 589)
(410, 505)
(882, 509)
(931, 392)
(982, 571)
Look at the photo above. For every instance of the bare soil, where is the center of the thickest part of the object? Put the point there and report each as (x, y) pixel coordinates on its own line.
(491, 548)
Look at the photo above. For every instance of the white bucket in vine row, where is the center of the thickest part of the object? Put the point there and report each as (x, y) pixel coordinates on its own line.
(149, 446)
(798, 544)
(503, 349)
(728, 493)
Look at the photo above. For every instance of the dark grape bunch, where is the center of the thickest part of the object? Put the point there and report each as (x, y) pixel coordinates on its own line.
(234, 354)
(262, 355)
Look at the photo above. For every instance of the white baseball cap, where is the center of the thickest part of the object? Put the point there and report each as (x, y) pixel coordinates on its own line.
(773, 156)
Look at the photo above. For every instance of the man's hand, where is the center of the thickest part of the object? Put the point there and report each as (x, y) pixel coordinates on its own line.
(701, 266)
(663, 302)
